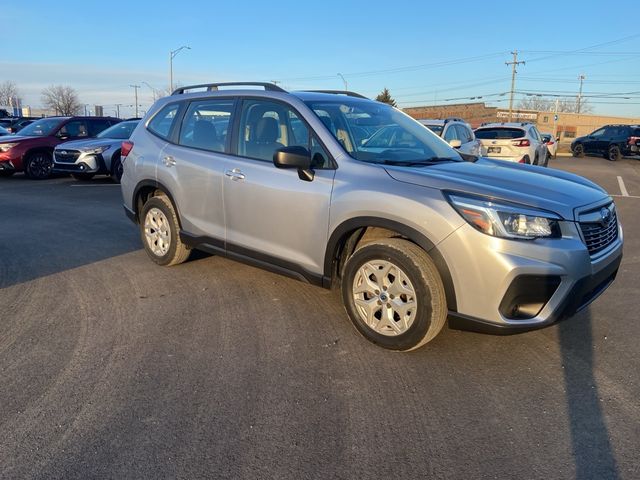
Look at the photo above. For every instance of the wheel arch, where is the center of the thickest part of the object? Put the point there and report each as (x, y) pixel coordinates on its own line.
(114, 157)
(345, 238)
(146, 189)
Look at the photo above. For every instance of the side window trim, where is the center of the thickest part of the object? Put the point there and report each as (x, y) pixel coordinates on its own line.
(171, 137)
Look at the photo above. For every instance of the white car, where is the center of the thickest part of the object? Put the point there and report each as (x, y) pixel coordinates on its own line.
(513, 142)
(552, 144)
(457, 133)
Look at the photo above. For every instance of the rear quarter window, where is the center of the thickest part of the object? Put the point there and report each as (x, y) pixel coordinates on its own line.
(499, 133)
(163, 121)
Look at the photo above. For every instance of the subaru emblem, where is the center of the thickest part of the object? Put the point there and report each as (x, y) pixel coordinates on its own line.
(605, 216)
(63, 152)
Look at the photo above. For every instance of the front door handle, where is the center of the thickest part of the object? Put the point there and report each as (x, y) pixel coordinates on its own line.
(234, 174)
(169, 161)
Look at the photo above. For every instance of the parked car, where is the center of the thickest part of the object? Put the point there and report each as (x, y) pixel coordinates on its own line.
(551, 142)
(410, 235)
(514, 142)
(457, 133)
(32, 150)
(612, 141)
(15, 124)
(4, 131)
(101, 155)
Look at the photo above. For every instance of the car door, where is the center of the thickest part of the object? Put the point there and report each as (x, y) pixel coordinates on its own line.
(271, 213)
(592, 143)
(541, 148)
(191, 166)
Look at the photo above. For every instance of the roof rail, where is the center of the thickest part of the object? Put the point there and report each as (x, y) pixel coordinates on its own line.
(453, 119)
(338, 92)
(212, 87)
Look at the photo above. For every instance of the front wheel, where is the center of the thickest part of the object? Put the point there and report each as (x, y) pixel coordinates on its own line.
(578, 150)
(394, 295)
(160, 232)
(38, 165)
(614, 153)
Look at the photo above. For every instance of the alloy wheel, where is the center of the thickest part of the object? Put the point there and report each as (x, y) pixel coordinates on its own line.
(157, 232)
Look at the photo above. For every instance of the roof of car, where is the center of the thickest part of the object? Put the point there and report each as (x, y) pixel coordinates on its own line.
(505, 125)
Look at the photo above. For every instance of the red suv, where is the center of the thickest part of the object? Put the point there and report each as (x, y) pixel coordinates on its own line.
(32, 149)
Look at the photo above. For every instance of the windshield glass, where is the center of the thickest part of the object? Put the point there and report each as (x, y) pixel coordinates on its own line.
(378, 133)
(41, 128)
(437, 129)
(119, 131)
(499, 133)
(4, 131)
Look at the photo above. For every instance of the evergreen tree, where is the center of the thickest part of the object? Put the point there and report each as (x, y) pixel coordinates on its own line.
(386, 97)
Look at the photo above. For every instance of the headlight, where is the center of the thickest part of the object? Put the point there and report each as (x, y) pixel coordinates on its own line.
(506, 220)
(6, 146)
(98, 150)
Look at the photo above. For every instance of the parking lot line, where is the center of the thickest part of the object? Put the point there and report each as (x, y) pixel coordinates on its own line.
(623, 189)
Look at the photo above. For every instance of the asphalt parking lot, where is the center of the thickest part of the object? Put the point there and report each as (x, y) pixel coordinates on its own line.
(112, 367)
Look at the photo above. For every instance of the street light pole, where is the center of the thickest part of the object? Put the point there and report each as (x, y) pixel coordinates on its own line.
(346, 87)
(172, 54)
(136, 87)
(581, 77)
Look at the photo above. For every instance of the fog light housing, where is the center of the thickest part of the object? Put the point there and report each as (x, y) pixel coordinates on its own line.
(527, 295)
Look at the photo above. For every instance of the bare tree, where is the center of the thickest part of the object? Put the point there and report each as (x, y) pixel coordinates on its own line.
(9, 94)
(62, 99)
(565, 104)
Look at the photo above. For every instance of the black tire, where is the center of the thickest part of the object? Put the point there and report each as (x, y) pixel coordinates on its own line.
(536, 160)
(578, 150)
(116, 167)
(38, 165)
(177, 251)
(84, 177)
(527, 160)
(6, 173)
(546, 159)
(424, 280)
(614, 154)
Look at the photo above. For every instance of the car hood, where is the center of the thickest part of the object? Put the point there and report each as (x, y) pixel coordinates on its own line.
(87, 144)
(544, 188)
(16, 138)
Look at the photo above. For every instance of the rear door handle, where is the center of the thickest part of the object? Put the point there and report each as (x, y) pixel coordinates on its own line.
(169, 161)
(234, 174)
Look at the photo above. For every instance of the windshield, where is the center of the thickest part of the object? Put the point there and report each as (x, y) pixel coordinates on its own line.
(4, 131)
(499, 133)
(41, 128)
(437, 129)
(378, 133)
(119, 131)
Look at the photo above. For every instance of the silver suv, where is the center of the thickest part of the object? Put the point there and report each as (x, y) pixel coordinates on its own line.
(411, 234)
(514, 142)
(457, 133)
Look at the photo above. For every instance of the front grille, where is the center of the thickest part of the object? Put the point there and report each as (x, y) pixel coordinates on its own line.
(599, 236)
(67, 156)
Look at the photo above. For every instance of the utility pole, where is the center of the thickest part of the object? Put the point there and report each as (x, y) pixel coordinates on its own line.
(118, 110)
(581, 77)
(513, 64)
(136, 87)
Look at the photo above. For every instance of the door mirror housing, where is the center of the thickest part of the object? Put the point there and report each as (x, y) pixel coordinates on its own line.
(295, 157)
(455, 143)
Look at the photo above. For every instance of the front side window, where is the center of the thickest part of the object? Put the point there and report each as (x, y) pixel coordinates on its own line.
(75, 128)
(598, 133)
(206, 123)
(437, 129)
(119, 131)
(397, 138)
(162, 121)
(267, 126)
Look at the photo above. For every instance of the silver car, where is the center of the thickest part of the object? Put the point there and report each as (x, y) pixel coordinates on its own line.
(513, 142)
(100, 155)
(457, 133)
(411, 234)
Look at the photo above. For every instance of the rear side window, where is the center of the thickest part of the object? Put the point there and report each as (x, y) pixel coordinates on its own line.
(162, 122)
(75, 128)
(96, 126)
(499, 133)
(206, 123)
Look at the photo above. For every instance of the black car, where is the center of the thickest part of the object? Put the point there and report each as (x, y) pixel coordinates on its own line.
(612, 141)
(15, 124)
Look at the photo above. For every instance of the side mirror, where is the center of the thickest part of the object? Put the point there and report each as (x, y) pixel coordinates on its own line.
(295, 157)
(63, 136)
(557, 139)
(455, 143)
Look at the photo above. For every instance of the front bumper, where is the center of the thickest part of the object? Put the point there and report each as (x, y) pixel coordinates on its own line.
(85, 163)
(6, 166)
(483, 269)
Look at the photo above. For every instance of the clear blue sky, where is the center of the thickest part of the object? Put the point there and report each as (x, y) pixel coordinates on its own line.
(424, 52)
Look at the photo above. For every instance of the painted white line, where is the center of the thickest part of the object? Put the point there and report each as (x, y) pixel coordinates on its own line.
(624, 196)
(623, 189)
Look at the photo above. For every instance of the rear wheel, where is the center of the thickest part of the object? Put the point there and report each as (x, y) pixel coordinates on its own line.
(83, 176)
(38, 165)
(116, 167)
(159, 229)
(614, 153)
(578, 150)
(394, 295)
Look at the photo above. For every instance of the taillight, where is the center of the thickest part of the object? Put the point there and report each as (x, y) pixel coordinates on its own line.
(521, 160)
(633, 140)
(125, 149)
(521, 143)
(550, 142)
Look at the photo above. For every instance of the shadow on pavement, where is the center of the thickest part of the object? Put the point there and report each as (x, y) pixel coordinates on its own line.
(592, 451)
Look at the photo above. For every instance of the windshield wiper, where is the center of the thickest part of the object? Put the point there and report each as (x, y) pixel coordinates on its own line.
(419, 163)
